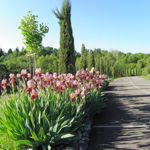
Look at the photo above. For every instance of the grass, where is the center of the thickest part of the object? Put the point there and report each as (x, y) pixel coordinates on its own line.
(147, 77)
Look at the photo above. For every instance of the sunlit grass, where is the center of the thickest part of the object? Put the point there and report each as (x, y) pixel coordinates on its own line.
(147, 77)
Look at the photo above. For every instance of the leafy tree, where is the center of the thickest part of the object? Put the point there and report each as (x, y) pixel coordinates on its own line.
(32, 32)
(67, 51)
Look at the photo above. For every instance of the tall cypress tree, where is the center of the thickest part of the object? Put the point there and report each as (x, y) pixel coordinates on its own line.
(67, 51)
(91, 59)
(83, 57)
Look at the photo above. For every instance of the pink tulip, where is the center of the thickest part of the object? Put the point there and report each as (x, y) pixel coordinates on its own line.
(31, 84)
(11, 75)
(47, 79)
(4, 84)
(82, 94)
(55, 75)
(34, 94)
(43, 85)
(88, 86)
(58, 83)
(63, 87)
(73, 97)
(28, 90)
(18, 75)
(29, 75)
(12, 79)
(77, 92)
(38, 71)
(24, 73)
(75, 84)
(37, 78)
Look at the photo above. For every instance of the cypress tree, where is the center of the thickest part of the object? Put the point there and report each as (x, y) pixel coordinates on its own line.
(67, 51)
(83, 57)
(91, 59)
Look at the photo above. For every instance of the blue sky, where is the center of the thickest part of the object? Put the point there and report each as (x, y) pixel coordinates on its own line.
(108, 24)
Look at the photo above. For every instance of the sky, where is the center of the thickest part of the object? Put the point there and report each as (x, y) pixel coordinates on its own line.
(107, 24)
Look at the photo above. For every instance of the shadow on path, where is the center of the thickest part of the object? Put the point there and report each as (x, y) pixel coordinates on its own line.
(120, 127)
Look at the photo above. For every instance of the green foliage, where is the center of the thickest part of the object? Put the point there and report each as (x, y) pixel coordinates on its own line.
(10, 51)
(48, 63)
(1, 52)
(48, 51)
(78, 63)
(67, 51)
(91, 60)
(3, 71)
(32, 32)
(16, 64)
(146, 70)
(112, 63)
(38, 124)
(147, 77)
(83, 57)
(115, 63)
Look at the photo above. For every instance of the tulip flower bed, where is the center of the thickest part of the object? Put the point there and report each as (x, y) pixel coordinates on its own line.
(47, 110)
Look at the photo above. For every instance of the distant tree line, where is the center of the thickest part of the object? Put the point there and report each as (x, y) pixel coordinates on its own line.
(13, 61)
(113, 63)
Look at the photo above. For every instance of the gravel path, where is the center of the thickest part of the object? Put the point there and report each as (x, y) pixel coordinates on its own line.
(125, 122)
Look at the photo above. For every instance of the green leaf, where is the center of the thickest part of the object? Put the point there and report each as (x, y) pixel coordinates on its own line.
(32, 119)
(41, 134)
(24, 142)
(39, 117)
(34, 136)
(65, 136)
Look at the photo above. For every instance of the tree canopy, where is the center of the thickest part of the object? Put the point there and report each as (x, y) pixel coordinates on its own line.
(32, 32)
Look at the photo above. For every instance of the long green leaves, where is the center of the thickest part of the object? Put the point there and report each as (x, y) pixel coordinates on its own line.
(50, 116)
(46, 121)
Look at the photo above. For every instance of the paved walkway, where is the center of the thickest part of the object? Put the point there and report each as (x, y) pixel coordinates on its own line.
(125, 122)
